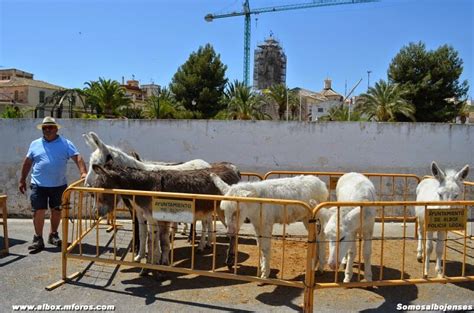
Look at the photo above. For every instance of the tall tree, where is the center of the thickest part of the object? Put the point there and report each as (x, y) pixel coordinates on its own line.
(164, 106)
(385, 102)
(431, 79)
(199, 83)
(70, 97)
(243, 103)
(341, 113)
(280, 96)
(107, 96)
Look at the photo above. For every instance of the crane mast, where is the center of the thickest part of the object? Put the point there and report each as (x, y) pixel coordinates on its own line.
(246, 12)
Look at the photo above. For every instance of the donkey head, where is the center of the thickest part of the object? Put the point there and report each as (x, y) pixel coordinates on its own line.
(101, 153)
(449, 181)
(108, 178)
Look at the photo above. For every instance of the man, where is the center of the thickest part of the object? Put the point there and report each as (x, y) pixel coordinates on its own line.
(48, 156)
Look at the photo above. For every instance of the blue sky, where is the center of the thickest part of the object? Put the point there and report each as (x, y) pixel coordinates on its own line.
(69, 42)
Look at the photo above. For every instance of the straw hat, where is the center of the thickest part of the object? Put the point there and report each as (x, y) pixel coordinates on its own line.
(48, 121)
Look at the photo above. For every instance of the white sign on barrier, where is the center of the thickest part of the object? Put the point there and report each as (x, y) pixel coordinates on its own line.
(173, 210)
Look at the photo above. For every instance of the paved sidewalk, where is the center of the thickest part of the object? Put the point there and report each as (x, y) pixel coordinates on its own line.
(24, 277)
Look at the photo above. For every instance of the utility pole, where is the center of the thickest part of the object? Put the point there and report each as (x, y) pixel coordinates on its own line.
(368, 79)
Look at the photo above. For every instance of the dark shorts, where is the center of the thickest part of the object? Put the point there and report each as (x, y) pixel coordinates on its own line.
(41, 196)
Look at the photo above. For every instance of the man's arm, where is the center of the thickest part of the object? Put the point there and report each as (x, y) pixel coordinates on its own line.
(80, 165)
(25, 169)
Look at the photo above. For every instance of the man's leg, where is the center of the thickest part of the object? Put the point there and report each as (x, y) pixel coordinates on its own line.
(55, 220)
(38, 205)
(38, 221)
(55, 195)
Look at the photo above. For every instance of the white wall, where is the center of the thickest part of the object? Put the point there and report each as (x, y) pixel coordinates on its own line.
(253, 146)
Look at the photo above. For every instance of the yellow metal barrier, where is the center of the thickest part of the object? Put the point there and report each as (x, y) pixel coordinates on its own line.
(389, 187)
(81, 227)
(250, 176)
(469, 195)
(4, 222)
(393, 253)
(393, 258)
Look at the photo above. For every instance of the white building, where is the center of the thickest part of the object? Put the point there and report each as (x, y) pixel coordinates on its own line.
(314, 104)
(19, 89)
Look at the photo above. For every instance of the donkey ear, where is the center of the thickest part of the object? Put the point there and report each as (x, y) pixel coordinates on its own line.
(437, 172)
(100, 145)
(99, 170)
(462, 174)
(135, 155)
(89, 141)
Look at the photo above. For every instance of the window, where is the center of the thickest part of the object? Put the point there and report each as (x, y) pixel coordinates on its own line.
(320, 110)
(15, 97)
(41, 97)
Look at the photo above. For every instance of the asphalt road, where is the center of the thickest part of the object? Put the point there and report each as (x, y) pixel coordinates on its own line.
(24, 277)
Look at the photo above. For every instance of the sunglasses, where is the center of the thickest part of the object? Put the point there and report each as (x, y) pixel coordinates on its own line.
(49, 127)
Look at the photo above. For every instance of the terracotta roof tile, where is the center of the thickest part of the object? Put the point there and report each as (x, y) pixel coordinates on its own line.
(19, 82)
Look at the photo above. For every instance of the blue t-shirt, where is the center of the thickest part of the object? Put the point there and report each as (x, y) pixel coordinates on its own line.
(50, 161)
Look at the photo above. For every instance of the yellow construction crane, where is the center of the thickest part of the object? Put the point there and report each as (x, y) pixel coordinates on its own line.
(247, 12)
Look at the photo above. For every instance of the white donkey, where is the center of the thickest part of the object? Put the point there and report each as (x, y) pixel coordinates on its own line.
(443, 187)
(351, 187)
(102, 152)
(302, 188)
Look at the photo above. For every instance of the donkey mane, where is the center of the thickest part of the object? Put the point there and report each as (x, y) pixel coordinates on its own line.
(113, 175)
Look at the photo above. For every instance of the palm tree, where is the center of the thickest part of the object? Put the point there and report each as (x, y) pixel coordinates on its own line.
(341, 113)
(243, 103)
(464, 112)
(282, 97)
(107, 96)
(165, 106)
(69, 96)
(384, 102)
(156, 107)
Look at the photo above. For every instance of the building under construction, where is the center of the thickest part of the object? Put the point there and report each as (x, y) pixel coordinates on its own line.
(269, 65)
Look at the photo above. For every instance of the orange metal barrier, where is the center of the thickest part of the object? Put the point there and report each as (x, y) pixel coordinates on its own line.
(81, 227)
(393, 258)
(250, 176)
(469, 195)
(4, 222)
(389, 187)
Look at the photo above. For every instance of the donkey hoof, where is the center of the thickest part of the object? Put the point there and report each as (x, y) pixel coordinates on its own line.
(419, 259)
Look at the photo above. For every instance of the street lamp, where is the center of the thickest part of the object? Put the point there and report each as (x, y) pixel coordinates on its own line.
(368, 79)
